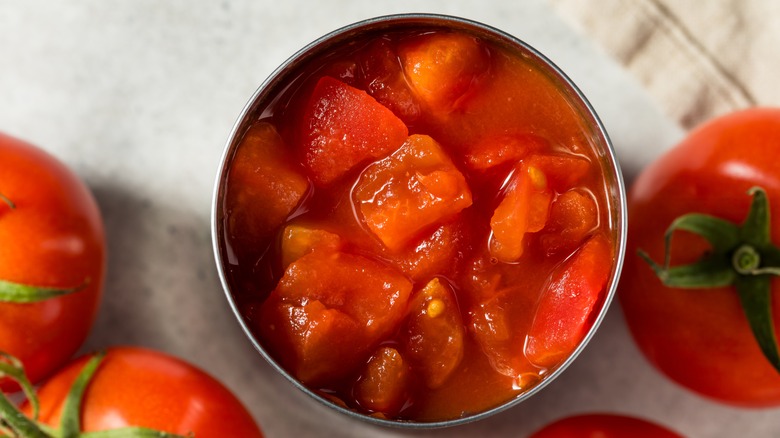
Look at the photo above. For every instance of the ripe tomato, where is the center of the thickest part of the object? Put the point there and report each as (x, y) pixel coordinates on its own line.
(603, 426)
(144, 388)
(701, 338)
(52, 237)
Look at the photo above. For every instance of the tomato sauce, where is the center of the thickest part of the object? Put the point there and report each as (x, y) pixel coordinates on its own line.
(416, 226)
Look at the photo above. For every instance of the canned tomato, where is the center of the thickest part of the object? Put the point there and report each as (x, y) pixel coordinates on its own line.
(419, 220)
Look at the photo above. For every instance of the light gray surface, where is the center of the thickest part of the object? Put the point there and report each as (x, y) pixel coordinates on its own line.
(139, 96)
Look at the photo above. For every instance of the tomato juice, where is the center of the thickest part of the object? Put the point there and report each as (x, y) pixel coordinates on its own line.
(420, 223)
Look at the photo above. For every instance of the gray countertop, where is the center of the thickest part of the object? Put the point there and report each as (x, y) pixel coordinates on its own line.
(139, 97)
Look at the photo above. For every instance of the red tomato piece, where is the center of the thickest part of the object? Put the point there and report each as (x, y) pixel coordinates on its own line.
(328, 296)
(311, 340)
(261, 173)
(342, 127)
(573, 216)
(385, 81)
(411, 189)
(299, 240)
(383, 385)
(563, 171)
(135, 387)
(524, 209)
(500, 337)
(563, 314)
(433, 333)
(437, 253)
(443, 67)
(604, 426)
(497, 150)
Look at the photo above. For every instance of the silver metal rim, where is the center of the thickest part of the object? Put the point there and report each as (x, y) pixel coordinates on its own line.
(543, 62)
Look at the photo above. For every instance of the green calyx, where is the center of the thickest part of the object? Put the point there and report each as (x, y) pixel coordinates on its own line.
(18, 293)
(14, 424)
(5, 199)
(742, 256)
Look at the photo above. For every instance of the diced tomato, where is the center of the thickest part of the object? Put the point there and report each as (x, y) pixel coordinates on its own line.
(442, 67)
(482, 280)
(437, 253)
(563, 171)
(261, 173)
(299, 240)
(343, 127)
(383, 385)
(315, 343)
(329, 299)
(385, 81)
(411, 189)
(501, 338)
(524, 209)
(371, 293)
(433, 333)
(497, 150)
(573, 216)
(563, 314)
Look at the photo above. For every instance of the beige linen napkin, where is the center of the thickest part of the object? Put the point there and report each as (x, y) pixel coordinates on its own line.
(699, 59)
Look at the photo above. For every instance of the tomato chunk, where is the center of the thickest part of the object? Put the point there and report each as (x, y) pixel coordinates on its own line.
(343, 127)
(437, 253)
(501, 338)
(573, 216)
(563, 171)
(262, 173)
(361, 300)
(371, 293)
(311, 340)
(497, 150)
(433, 334)
(524, 209)
(411, 189)
(383, 385)
(385, 81)
(299, 240)
(442, 67)
(563, 314)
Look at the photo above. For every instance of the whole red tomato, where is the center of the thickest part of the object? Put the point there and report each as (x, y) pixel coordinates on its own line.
(51, 235)
(144, 388)
(701, 337)
(603, 426)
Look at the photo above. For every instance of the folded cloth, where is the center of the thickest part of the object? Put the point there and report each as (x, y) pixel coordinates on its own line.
(699, 59)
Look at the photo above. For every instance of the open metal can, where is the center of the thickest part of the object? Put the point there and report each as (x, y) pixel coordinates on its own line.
(530, 153)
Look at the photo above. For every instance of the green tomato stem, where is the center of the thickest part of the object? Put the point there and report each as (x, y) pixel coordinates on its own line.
(18, 293)
(742, 256)
(15, 420)
(131, 432)
(5, 199)
(70, 422)
(12, 368)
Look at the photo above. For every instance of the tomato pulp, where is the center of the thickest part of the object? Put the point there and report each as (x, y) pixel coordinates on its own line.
(417, 226)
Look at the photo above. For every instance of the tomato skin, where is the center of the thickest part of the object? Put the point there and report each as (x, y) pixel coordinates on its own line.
(603, 426)
(54, 237)
(701, 338)
(145, 388)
